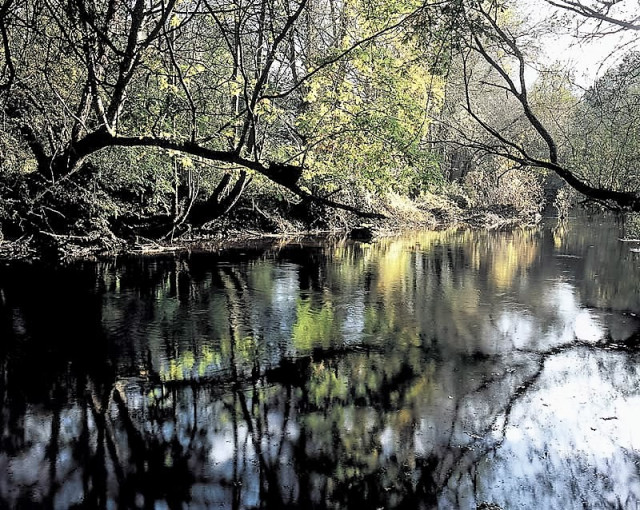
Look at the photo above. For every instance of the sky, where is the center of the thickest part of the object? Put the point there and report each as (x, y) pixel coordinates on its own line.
(588, 59)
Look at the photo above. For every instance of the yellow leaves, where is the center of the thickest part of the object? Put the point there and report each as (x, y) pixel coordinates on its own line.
(268, 111)
(183, 160)
(312, 95)
(264, 106)
(164, 85)
(228, 132)
(186, 162)
(371, 107)
(29, 165)
(235, 87)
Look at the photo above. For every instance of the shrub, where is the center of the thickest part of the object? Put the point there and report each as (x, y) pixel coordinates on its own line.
(515, 187)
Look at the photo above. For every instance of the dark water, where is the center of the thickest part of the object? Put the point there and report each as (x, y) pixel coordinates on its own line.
(440, 370)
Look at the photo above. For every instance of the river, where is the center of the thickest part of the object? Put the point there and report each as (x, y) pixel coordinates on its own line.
(453, 369)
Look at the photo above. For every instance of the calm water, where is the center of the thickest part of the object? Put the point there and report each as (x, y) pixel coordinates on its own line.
(439, 370)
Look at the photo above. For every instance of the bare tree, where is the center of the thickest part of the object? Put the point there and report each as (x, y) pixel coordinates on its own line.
(500, 45)
(611, 16)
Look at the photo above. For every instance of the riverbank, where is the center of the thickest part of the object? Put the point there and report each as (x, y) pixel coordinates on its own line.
(254, 220)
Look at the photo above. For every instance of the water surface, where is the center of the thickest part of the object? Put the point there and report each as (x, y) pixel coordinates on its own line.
(434, 370)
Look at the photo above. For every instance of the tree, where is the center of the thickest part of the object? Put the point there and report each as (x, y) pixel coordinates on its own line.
(605, 129)
(491, 34)
(609, 16)
(369, 116)
(92, 85)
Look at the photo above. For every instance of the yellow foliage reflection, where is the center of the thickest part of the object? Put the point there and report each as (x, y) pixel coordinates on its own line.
(400, 292)
(513, 258)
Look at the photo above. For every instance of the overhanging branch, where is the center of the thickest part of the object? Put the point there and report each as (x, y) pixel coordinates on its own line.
(283, 174)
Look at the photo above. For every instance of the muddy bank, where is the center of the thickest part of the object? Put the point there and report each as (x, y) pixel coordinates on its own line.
(264, 224)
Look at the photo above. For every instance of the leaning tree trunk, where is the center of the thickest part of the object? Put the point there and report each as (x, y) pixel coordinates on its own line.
(219, 203)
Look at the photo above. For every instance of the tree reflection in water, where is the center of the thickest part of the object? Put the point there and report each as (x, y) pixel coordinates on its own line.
(441, 370)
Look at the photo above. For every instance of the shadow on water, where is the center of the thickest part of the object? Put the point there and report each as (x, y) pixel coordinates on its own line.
(439, 370)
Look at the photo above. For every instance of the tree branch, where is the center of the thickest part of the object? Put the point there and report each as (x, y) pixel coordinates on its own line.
(283, 174)
(588, 12)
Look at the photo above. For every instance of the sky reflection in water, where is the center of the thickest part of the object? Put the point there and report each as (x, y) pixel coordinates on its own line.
(437, 370)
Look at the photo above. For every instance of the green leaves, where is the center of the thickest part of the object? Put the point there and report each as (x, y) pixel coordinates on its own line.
(367, 116)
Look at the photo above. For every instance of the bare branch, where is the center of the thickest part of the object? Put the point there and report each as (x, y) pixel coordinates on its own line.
(579, 7)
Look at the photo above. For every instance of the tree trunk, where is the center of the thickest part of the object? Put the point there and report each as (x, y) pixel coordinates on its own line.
(220, 202)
